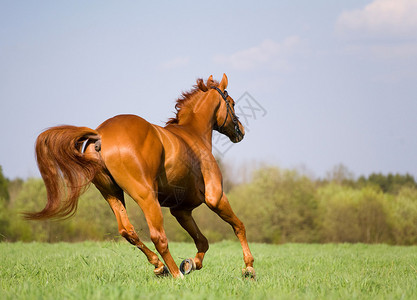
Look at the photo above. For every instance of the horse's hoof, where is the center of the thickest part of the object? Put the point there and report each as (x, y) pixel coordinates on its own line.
(249, 273)
(162, 271)
(187, 266)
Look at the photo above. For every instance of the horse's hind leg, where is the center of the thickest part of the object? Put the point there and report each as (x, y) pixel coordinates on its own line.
(114, 196)
(224, 210)
(187, 222)
(145, 195)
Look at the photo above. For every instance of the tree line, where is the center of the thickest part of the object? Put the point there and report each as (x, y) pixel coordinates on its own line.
(276, 205)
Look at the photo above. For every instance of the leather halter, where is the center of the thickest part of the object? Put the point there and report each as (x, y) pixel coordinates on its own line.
(235, 121)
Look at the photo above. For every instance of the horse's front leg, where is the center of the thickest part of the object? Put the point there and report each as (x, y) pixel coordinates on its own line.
(224, 210)
(187, 222)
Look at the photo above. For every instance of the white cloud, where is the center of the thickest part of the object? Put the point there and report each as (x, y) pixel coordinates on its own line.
(269, 53)
(380, 19)
(175, 63)
(385, 51)
(384, 29)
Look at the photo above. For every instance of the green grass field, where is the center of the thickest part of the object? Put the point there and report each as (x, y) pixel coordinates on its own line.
(110, 270)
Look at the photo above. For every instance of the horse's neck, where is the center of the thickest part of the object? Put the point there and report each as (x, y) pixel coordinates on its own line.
(200, 120)
(200, 131)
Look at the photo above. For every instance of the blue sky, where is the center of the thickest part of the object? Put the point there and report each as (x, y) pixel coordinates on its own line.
(336, 80)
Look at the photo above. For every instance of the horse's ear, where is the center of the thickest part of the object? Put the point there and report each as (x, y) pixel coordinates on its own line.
(210, 82)
(223, 83)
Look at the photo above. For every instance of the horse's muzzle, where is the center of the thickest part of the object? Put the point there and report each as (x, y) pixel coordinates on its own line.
(238, 137)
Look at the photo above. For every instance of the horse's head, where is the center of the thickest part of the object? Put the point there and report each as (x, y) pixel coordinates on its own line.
(227, 122)
(209, 102)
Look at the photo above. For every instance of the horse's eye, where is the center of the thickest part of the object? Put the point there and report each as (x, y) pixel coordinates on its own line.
(225, 93)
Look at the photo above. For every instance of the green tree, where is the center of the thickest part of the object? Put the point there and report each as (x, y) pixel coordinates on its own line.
(4, 207)
(93, 220)
(352, 215)
(403, 216)
(278, 206)
(391, 183)
(340, 174)
(4, 220)
(4, 191)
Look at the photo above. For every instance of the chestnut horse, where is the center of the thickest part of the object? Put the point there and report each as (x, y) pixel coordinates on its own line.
(170, 166)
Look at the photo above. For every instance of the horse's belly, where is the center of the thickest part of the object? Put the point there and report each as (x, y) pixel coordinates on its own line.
(179, 186)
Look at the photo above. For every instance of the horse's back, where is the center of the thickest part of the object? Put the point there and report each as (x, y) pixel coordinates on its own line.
(130, 145)
(124, 130)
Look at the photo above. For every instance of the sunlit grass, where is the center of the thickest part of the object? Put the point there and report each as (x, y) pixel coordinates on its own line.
(110, 270)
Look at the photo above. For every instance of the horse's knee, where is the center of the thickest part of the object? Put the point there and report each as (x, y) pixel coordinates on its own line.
(160, 241)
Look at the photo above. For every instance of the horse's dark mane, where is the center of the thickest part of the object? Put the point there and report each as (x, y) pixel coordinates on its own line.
(186, 96)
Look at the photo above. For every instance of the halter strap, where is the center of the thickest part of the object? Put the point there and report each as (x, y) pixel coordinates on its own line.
(224, 95)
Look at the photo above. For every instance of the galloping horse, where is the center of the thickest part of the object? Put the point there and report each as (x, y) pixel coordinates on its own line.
(150, 163)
